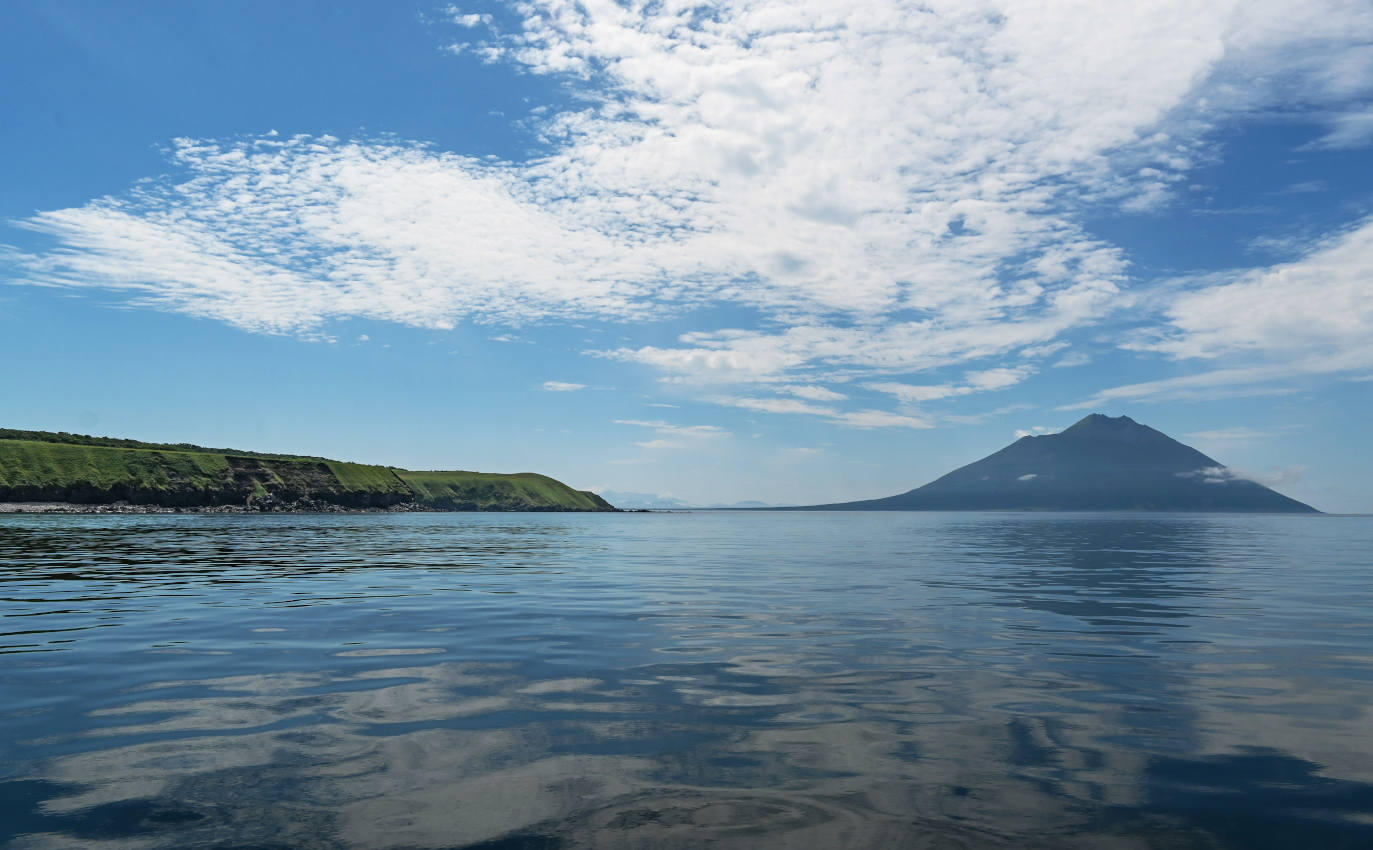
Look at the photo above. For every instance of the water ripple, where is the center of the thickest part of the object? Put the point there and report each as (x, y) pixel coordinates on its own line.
(737, 680)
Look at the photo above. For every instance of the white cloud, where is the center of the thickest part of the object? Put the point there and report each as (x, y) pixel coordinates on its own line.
(1212, 475)
(1203, 386)
(914, 393)
(1315, 306)
(1350, 130)
(864, 419)
(1044, 350)
(468, 20)
(661, 444)
(1073, 358)
(813, 392)
(1306, 186)
(1036, 431)
(1290, 321)
(776, 405)
(562, 386)
(836, 167)
(1225, 474)
(997, 379)
(741, 356)
(1276, 478)
(983, 416)
(979, 381)
(1237, 434)
(669, 430)
(881, 419)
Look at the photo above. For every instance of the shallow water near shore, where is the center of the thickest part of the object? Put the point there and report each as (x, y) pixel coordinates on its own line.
(749, 680)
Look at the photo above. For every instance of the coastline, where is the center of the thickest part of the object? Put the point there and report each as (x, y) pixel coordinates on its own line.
(278, 508)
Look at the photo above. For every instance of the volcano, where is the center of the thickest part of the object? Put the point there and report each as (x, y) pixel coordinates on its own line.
(1101, 463)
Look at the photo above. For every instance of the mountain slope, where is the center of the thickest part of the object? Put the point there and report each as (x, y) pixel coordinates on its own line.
(1099, 464)
(42, 466)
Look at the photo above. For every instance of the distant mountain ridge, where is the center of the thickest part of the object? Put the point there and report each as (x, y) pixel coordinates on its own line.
(629, 501)
(1101, 463)
(76, 469)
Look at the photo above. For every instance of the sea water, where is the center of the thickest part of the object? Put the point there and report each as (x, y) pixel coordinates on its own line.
(737, 680)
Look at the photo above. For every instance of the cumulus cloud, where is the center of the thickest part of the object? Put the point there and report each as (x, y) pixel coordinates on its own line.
(466, 19)
(893, 186)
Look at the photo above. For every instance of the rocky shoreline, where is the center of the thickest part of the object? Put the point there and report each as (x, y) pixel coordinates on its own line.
(303, 507)
(126, 508)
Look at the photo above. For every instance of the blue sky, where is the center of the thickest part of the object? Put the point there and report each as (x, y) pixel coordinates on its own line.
(788, 251)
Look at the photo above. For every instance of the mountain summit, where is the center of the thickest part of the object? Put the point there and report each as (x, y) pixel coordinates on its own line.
(1101, 463)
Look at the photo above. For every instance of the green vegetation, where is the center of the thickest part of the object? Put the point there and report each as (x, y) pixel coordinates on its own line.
(41, 466)
(363, 477)
(482, 491)
(64, 438)
(44, 471)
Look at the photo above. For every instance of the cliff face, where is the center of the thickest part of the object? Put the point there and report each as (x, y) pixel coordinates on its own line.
(48, 467)
(1100, 463)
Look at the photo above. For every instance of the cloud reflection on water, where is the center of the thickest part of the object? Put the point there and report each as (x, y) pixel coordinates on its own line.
(1011, 682)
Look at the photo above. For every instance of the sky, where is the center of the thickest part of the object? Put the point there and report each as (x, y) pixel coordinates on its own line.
(793, 251)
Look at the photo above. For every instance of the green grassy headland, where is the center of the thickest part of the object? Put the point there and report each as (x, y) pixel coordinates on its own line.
(42, 466)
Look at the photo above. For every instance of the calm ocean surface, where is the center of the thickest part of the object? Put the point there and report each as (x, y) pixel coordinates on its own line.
(735, 680)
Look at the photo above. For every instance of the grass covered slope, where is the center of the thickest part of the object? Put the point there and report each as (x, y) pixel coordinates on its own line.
(43, 471)
(41, 466)
(482, 491)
